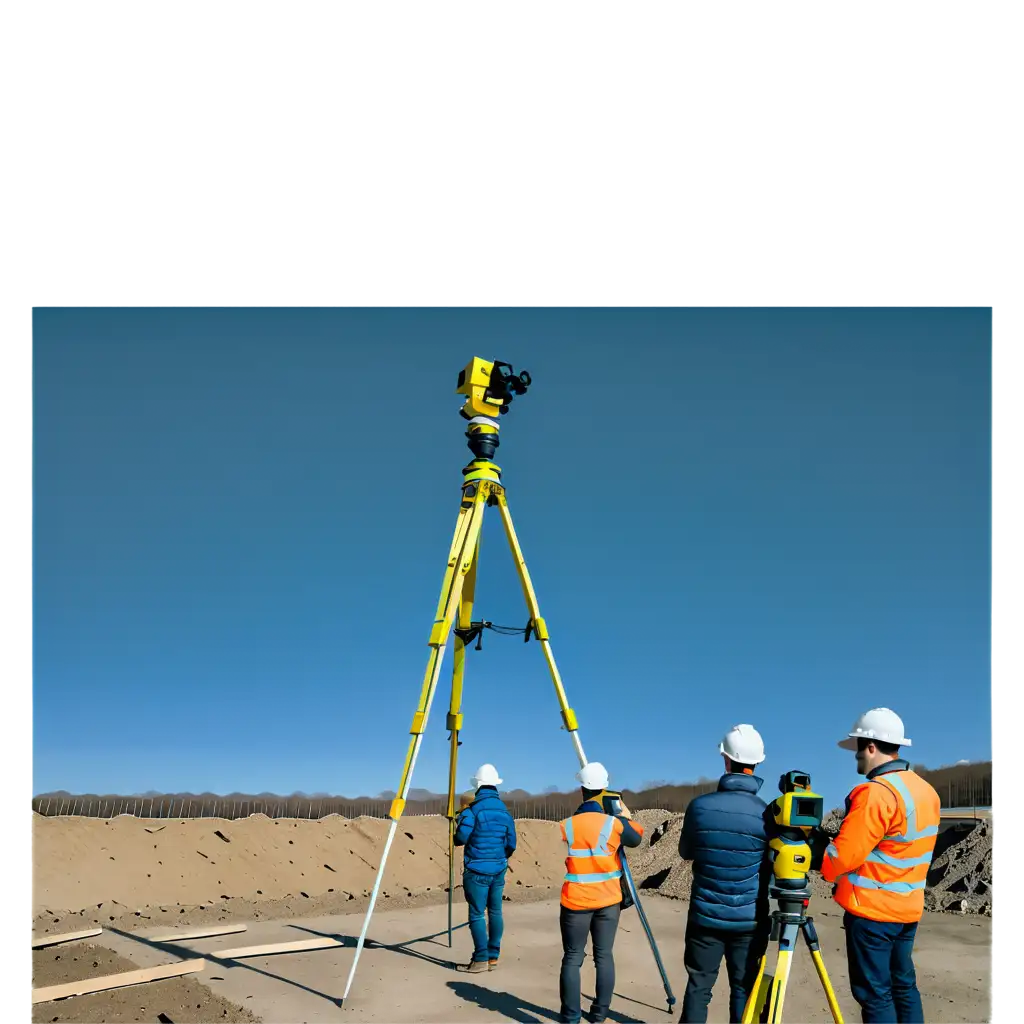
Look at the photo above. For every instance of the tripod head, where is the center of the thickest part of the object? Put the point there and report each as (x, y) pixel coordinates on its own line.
(796, 813)
(489, 388)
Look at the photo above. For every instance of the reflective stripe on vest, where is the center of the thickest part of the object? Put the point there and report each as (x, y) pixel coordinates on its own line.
(871, 883)
(912, 834)
(910, 807)
(603, 847)
(606, 876)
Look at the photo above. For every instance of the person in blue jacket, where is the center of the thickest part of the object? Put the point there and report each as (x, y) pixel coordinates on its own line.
(724, 834)
(488, 832)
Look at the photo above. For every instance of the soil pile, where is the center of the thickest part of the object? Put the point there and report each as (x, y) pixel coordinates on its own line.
(101, 870)
(136, 872)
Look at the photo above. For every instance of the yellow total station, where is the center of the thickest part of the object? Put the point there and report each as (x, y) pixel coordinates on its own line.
(489, 387)
(795, 813)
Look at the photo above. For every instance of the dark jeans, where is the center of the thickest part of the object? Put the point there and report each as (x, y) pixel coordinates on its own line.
(882, 976)
(705, 948)
(483, 893)
(576, 925)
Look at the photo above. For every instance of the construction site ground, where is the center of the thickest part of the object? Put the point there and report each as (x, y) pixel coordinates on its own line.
(407, 972)
(286, 880)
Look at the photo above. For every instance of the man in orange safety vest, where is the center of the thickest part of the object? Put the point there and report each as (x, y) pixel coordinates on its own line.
(592, 893)
(879, 863)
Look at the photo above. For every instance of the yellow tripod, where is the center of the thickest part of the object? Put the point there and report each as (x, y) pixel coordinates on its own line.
(769, 991)
(489, 389)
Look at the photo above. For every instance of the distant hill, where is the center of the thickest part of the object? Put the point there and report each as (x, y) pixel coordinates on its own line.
(414, 794)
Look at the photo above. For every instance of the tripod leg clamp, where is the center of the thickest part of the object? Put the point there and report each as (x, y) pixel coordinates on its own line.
(454, 722)
(569, 717)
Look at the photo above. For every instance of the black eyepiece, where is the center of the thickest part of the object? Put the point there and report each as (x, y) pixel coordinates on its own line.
(505, 384)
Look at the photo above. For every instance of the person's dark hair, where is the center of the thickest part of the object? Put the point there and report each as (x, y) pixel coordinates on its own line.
(735, 766)
(886, 748)
(591, 794)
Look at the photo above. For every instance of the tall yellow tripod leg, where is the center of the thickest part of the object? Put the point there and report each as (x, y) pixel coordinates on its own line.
(778, 990)
(826, 984)
(454, 722)
(460, 559)
(758, 993)
(540, 628)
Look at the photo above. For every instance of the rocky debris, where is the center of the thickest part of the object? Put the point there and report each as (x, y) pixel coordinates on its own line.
(831, 822)
(655, 863)
(960, 879)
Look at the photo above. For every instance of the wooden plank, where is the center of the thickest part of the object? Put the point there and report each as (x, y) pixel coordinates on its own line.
(53, 940)
(202, 933)
(274, 947)
(122, 980)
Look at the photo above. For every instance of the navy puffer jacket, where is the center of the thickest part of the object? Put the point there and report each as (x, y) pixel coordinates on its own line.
(488, 832)
(724, 835)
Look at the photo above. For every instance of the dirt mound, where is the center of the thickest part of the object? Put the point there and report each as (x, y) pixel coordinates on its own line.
(134, 863)
(105, 871)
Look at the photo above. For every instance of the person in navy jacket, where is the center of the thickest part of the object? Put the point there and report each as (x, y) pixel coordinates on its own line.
(724, 834)
(488, 833)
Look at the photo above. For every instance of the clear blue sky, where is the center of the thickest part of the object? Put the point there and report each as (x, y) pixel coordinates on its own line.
(241, 519)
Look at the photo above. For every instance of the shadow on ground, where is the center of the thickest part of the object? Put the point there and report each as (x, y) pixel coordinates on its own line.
(347, 942)
(511, 1007)
(350, 941)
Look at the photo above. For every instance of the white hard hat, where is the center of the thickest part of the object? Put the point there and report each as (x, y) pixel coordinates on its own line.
(743, 744)
(876, 724)
(485, 775)
(593, 776)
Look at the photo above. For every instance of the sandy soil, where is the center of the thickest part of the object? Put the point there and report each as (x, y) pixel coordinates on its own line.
(179, 1000)
(406, 973)
(136, 863)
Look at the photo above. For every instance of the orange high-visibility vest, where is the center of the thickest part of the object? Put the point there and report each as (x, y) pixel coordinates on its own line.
(592, 868)
(889, 885)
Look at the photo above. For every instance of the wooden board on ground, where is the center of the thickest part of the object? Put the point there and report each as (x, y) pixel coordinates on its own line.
(122, 980)
(275, 947)
(201, 933)
(53, 940)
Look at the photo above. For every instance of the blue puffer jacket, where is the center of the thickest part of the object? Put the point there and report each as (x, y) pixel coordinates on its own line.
(488, 832)
(724, 835)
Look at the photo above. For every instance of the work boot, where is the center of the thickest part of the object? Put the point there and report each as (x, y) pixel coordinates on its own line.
(492, 965)
(473, 967)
